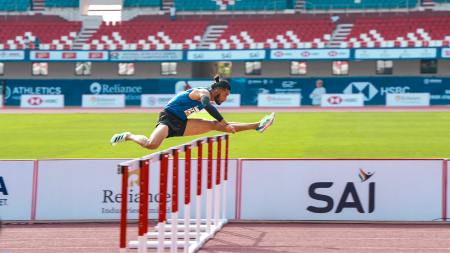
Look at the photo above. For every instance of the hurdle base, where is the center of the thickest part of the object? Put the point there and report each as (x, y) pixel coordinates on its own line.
(168, 235)
(192, 228)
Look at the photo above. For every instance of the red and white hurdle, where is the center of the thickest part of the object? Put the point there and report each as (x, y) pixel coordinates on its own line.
(199, 229)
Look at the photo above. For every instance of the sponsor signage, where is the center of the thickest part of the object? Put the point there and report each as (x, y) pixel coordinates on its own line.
(100, 194)
(279, 100)
(226, 55)
(155, 100)
(42, 101)
(341, 190)
(342, 100)
(146, 55)
(12, 55)
(445, 53)
(310, 54)
(69, 55)
(405, 53)
(16, 187)
(103, 101)
(408, 99)
(233, 100)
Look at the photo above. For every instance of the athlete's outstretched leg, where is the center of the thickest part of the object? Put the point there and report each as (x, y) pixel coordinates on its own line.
(201, 126)
(154, 142)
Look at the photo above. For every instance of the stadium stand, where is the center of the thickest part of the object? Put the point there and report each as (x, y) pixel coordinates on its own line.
(342, 4)
(208, 5)
(62, 3)
(400, 32)
(52, 34)
(276, 34)
(148, 35)
(141, 3)
(14, 5)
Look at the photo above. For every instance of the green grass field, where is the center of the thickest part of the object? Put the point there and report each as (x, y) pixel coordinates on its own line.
(293, 135)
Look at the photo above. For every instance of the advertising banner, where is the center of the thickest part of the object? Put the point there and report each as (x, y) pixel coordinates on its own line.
(55, 55)
(103, 101)
(408, 99)
(223, 55)
(91, 189)
(279, 100)
(341, 190)
(155, 101)
(1, 101)
(400, 53)
(445, 53)
(146, 55)
(16, 188)
(42, 101)
(300, 54)
(342, 100)
(12, 55)
(233, 100)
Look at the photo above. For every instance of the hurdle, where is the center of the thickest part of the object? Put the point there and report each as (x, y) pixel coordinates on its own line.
(188, 234)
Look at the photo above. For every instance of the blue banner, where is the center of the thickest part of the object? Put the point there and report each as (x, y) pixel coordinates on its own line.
(373, 88)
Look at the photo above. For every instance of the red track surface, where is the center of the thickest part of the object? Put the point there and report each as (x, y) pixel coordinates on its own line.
(237, 238)
(243, 109)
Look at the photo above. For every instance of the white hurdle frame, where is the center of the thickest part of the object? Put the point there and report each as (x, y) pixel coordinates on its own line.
(177, 228)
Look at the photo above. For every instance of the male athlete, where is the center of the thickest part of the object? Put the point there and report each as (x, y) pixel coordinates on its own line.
(173, 120)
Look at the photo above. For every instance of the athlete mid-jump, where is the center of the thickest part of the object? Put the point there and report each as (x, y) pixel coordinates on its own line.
(173, 120)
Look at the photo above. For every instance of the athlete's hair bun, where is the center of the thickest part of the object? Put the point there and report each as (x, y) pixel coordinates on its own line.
(220, 84)
(217, 78)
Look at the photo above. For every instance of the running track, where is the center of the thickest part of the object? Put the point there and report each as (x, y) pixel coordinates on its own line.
(243, 109)
(239, 238)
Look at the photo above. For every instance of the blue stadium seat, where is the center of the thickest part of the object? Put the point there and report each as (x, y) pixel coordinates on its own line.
(341, 4)
(14, 5)
(238, 5)
(61, 3)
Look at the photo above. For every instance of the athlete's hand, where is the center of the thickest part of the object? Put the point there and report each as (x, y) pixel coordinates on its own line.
(230, 129)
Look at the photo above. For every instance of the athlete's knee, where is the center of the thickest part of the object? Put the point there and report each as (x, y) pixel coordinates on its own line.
(151, 145)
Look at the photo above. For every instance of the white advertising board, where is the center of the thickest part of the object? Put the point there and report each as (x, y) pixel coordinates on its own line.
(310, 54)
(1, 101)
(55, 55)
(400, 53)
(408, 99)
(212, 55)
(279, 100)
(12, 54)
(168, 55)
(91, 189)
(41, 101)
(445, 52)
(233, 100)
(16, 188)
(103, 101)
(447, 207)
(341, 190)
(155, 100)
(342, 100)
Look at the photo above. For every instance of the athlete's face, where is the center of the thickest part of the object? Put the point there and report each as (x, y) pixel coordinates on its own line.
(221, 96)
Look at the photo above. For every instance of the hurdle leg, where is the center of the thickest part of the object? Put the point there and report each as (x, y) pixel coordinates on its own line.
(187, 199)
(225, 179)
(123, 211)
(162, 202)
(199, 191)
(209, 187)
(174, 235)
(217, 190)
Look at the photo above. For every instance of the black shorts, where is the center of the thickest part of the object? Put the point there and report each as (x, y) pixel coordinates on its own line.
(176, 124)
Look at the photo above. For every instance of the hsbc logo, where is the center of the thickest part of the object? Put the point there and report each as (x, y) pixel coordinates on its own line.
(35, 101)
(332, 53)
(367, 89)
(305, 53)
(278, 54)
(335, 100)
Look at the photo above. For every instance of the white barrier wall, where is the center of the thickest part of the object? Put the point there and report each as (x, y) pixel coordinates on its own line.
(91, 189)
(42, 101)
(103, 101)
(279, 100)
(1, 101)
(16, 190)
(341, 190)
(342, 100)
(408, 99)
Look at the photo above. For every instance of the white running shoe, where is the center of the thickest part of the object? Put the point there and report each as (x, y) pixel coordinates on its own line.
(119, 138)
(266, 122)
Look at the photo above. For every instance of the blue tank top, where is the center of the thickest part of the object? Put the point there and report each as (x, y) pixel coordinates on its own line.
(183, 106)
